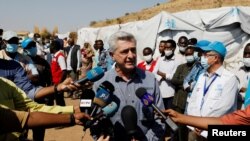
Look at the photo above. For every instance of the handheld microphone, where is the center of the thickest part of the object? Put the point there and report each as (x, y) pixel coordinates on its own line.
(92, 75)
(86, 100)
(148, 100)
(102, 98)
(107, 111)
(129, 119)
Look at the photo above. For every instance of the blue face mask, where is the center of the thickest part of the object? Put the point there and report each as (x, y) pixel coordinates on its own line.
(196, 56)
(32, 51)
(204, 62)
(11, 48)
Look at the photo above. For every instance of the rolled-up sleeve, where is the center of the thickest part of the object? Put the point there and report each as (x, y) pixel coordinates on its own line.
(23, 82)
(23, 103)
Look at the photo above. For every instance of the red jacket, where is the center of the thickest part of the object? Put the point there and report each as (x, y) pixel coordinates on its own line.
(56, 70)
(142, 65)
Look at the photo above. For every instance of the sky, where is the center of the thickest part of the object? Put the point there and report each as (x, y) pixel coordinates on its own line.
(67, 15)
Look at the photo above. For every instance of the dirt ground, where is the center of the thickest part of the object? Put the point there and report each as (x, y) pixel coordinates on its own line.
(74, 133)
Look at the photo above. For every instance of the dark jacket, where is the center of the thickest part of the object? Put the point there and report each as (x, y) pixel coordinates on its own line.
(180, 95)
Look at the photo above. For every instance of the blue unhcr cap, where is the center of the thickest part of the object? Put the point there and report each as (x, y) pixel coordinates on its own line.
(202, 43)
(26, 42)
(217, 47)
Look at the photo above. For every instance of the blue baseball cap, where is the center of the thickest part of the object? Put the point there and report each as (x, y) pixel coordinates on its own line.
(217, 47)
(26, 42)
(202, 43)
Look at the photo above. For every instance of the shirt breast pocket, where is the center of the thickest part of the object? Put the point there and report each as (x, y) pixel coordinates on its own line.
(215, 99)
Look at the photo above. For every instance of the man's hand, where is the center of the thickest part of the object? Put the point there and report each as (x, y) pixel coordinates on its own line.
(77, 109)
(67, 85)
(175, 116)
(79, 117)
(198, 131)
(102, 138)
(243, 89)
(188, 89)
(163, 75)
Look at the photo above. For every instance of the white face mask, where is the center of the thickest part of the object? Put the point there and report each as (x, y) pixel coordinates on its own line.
(11, 48)
(168, 52)
(204, 63)
(246, 62)
(148, 58)
(182, 49)
(190, 58)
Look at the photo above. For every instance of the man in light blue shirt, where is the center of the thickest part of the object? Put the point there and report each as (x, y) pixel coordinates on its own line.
(127, 78)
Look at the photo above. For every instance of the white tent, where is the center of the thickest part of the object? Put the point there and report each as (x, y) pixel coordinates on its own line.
(227, 24)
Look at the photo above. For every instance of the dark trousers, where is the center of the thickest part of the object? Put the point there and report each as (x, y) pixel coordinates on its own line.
(38, 134)
(168, 102)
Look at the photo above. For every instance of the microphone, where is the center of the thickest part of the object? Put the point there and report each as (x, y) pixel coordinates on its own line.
(107, 111)
(148, 100)
(86, 100)
(129, 119)
(102, 98)
(92, 75)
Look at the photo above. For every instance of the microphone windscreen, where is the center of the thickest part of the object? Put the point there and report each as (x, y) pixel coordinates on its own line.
(110, 109)
(107, 86)
(129, 119)
(146, 98)
(103, 93)
(86, 100)
(95, 74)
(140, 92)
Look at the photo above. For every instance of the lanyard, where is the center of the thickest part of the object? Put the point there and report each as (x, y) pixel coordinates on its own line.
(205, 90)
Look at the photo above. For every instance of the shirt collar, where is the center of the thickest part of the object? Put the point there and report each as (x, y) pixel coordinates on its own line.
(218, 72)
(118, 78)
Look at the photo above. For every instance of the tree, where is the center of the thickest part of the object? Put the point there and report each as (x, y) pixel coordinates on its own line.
(55, 30)
(44, 32)
(92, 23)
(36, 29)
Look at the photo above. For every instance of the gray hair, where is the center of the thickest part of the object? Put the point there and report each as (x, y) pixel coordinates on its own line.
(120, 35)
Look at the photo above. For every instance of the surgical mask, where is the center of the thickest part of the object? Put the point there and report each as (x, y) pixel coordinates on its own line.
(47, 45)
(246, 62)
(190, 58)
(204, 62)
(168, 52)
(196, 56)
(32, 51)
(11, 48)
(38, 39)
(182, 49)
(148, 58)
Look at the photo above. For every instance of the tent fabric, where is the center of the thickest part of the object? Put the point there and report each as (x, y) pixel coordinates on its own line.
(229, 25)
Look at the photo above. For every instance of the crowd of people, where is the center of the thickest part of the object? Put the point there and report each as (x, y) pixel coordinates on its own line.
(190, 85)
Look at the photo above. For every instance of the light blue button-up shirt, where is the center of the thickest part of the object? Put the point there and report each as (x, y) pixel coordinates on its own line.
(152, 128)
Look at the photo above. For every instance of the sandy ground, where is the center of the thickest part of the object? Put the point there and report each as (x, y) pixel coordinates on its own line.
(74, 133)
